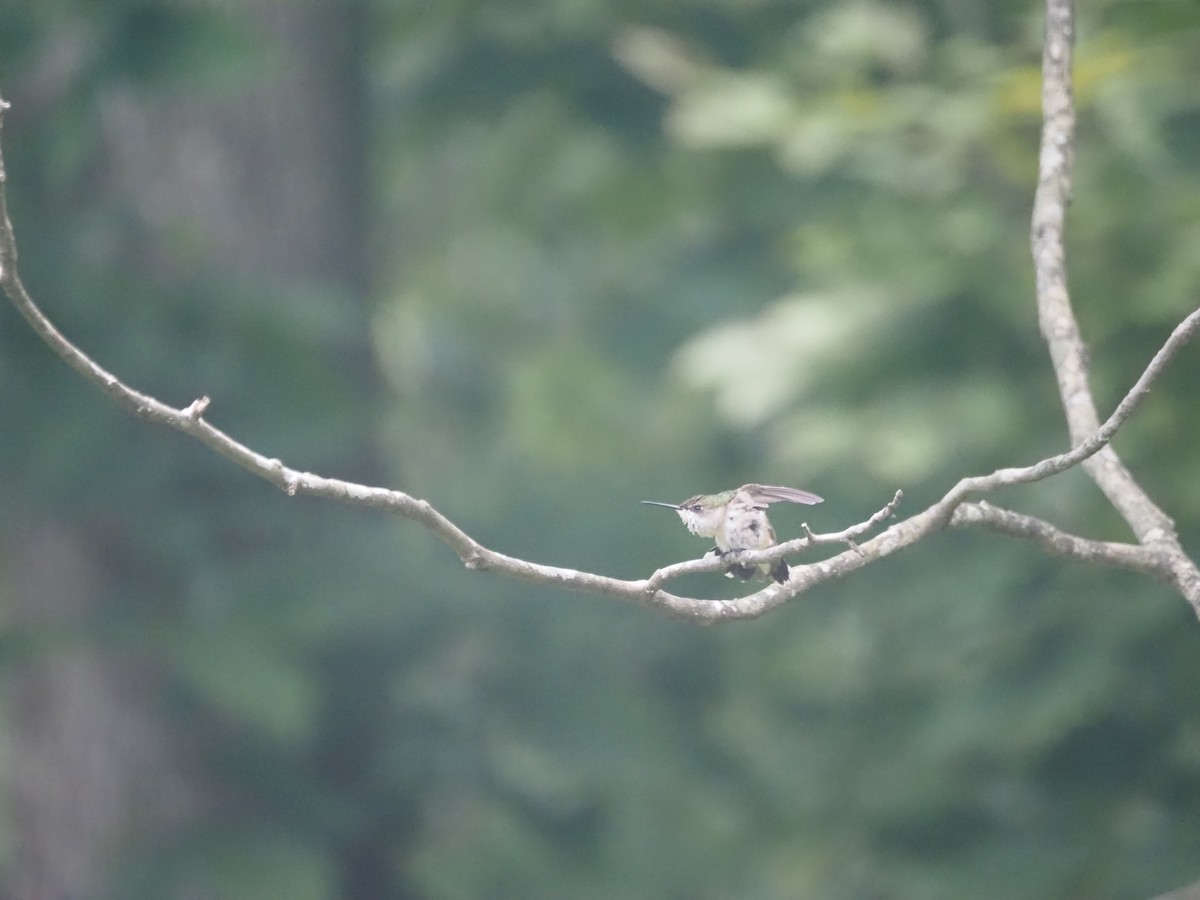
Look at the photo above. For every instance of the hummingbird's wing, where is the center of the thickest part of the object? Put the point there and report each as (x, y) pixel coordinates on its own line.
(767, 494)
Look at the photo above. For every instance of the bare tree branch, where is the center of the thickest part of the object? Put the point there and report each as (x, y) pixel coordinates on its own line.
(1158, 552)
(1098, 440)
(1057, 542)
(1187, 892)
(1153, 528)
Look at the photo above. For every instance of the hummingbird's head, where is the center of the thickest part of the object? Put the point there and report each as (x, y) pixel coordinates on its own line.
(698, 514)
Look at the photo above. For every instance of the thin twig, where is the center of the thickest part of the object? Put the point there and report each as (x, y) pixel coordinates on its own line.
(1098, 440)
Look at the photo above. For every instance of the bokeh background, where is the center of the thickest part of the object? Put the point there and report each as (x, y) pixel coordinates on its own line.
(535, 261)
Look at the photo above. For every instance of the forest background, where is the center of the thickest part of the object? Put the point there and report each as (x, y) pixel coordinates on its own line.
(535, 262)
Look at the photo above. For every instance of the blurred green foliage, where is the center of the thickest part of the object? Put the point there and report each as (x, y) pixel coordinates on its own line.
(620, 253)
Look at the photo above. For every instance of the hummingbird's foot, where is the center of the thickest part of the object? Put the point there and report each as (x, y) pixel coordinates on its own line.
(735, 569)
(729, 570)
(740, 572)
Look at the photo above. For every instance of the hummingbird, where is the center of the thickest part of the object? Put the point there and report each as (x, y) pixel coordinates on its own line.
(738, 520)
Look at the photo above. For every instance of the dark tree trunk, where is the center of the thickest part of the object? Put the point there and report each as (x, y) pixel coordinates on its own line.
(271, 173)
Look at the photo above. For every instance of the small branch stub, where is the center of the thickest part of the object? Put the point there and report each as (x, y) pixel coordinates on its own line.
(197, 408)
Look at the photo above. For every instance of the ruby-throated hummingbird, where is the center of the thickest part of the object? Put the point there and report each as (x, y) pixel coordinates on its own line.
(738, 521)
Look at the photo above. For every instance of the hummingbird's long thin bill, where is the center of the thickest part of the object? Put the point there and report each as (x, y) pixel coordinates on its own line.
(656, 503)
